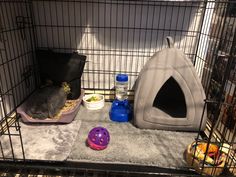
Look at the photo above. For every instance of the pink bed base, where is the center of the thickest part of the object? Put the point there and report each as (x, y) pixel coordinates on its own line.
(66, 117)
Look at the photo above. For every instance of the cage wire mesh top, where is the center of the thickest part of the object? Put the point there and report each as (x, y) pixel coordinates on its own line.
(116, 36)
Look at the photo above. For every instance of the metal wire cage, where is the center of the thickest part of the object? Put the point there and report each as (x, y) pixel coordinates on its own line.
(119, 37)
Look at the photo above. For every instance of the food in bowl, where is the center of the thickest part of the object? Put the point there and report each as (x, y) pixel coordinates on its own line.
(93, 101)
(94, 98)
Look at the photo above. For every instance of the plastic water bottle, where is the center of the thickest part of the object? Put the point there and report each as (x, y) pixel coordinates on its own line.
(121, 87)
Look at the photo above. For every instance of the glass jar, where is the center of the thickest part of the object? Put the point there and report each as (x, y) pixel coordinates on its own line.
(121, 87)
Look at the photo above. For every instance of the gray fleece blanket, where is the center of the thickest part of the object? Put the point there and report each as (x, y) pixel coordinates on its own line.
(42, 142)
(128, 144)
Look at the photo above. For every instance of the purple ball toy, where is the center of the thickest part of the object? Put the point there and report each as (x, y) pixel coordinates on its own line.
(98, 138)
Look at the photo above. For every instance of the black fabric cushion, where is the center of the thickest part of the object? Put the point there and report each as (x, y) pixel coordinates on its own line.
(62, 67)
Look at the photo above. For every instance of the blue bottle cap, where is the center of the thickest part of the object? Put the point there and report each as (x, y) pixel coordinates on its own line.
(122, 77)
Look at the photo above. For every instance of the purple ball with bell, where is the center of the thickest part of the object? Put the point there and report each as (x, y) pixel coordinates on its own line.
(98, 138)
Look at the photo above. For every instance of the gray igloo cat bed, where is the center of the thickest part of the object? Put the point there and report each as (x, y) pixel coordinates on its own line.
(168, 93)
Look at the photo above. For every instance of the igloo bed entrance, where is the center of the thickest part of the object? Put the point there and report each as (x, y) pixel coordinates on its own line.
(170, 99)
(168, 93)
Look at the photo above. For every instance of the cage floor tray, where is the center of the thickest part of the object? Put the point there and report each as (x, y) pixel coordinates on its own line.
(66, 116)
